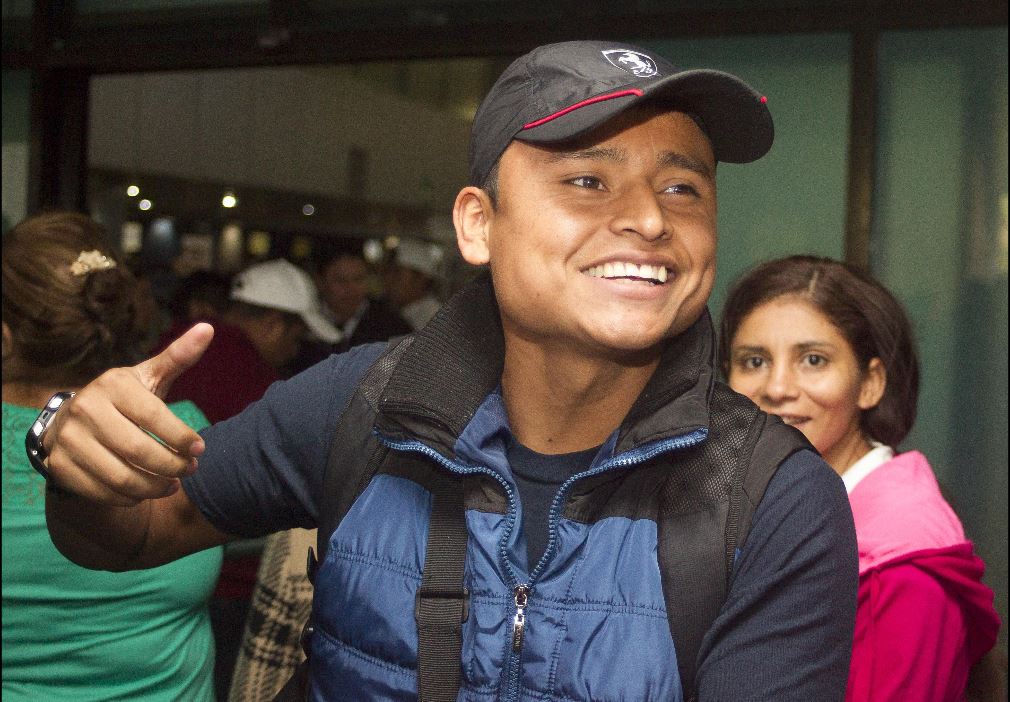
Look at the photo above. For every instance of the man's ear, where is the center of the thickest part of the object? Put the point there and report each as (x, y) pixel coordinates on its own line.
(874, 383)
(471, 216)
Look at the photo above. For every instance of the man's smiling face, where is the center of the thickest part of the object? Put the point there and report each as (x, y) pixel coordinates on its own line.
(607, 244)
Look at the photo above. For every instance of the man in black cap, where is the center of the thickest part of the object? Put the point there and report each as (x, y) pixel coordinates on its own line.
(545, 493)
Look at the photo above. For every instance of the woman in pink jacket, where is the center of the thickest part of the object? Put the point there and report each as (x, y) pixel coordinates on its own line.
(830, 351)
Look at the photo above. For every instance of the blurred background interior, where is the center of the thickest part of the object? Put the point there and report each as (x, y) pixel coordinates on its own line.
(211, 134)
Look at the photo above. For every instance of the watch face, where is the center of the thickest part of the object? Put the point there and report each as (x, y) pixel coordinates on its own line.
(33, 439)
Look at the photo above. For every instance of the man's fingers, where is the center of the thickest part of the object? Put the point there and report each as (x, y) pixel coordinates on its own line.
(129, 437)
(121, 415)
(152, 415)
(160, 372)
(92, 471)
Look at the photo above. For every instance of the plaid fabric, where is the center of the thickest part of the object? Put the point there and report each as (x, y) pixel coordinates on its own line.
(281, 604)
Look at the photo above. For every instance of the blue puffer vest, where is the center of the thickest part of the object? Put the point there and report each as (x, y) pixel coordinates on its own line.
(604, 598)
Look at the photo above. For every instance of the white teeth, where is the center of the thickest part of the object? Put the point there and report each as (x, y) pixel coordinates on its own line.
(624, 269)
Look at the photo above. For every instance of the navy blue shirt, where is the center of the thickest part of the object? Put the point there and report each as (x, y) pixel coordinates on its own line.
(778, 633)
(538, 477)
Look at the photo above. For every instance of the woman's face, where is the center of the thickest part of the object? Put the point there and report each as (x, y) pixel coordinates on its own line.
(792, 361)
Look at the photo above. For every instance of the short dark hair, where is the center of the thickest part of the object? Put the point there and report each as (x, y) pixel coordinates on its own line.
(336, 249)
(490, 184)
(201, 286)
(864, 311)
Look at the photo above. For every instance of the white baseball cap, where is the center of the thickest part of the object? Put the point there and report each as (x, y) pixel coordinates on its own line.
(281, 285)
(422, 256)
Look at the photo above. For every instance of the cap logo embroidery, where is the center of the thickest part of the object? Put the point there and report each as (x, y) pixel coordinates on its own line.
(634, 62)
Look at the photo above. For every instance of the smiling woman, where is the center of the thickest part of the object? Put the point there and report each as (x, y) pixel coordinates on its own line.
(830, 351)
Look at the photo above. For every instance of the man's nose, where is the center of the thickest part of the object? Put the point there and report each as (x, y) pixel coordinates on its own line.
(640, 213)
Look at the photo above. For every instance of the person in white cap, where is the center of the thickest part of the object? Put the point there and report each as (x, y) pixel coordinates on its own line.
(271, 306)
(280, 286)
(411, 280)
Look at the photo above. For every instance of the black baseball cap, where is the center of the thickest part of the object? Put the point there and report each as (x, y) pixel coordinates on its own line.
(560, 91)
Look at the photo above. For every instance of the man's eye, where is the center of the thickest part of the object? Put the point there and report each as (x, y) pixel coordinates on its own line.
(681, 189)
(587, 182)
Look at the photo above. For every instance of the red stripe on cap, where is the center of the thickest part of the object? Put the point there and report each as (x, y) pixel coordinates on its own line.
(590, 101)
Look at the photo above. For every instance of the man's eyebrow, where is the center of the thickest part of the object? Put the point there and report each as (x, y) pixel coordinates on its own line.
(595, 153)
(679, 160)
(667, 159)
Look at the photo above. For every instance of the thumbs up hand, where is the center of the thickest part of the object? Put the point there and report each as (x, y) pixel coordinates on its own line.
(117, 442)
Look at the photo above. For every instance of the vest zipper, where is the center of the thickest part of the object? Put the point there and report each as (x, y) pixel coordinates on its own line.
(521, 592)
(519, 622)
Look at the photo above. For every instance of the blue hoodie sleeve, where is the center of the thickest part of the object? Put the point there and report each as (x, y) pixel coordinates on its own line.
(263, 469)
(785, 631)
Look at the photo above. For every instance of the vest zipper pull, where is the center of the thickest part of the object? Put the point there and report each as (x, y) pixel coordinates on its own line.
(519, 623)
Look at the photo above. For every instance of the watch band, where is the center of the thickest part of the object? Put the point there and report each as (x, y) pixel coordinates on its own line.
(33, 439)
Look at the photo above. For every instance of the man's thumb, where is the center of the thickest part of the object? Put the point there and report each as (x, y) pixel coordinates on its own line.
(158, 373)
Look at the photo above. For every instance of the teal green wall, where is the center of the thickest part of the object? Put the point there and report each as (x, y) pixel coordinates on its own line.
(940, 242)
(793, 199)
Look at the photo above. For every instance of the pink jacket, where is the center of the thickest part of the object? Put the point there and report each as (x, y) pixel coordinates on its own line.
(923, 616)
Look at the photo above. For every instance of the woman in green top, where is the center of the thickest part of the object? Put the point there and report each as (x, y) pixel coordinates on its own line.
(69, 313)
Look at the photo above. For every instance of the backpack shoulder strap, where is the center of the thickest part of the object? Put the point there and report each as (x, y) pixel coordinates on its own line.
(772, 443)
(706, 509)
(442, 603)
(355, 453)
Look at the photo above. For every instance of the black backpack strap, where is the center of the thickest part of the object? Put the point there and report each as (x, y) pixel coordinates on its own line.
(442, 603)
(709, 530)
(771, 443)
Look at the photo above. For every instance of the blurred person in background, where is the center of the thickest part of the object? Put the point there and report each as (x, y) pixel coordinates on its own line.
(342, 275)
(270, 308)
(259, 326)
(200, 297)
(830, 351)
(70, 312)
(411, 280)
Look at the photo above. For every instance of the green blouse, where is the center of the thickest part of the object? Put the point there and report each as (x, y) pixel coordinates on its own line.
(75, 634)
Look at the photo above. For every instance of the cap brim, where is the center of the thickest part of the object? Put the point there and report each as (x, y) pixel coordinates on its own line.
(322, 328)
(733, 116)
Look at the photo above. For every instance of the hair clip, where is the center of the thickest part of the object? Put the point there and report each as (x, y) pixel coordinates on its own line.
(93, 260)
